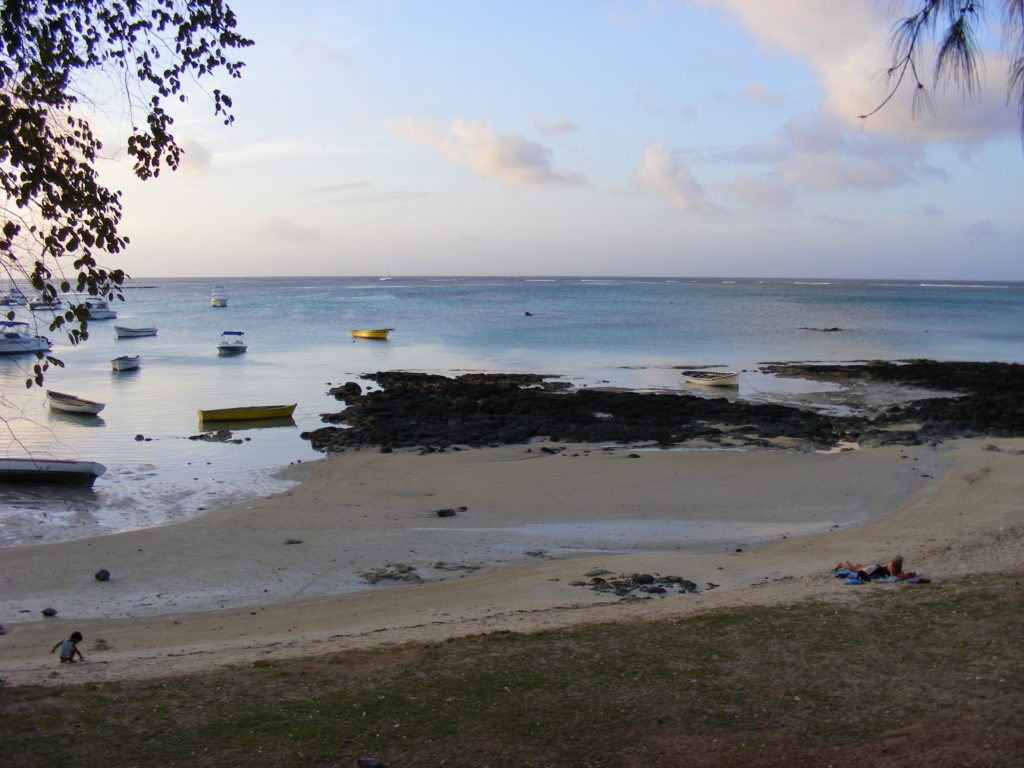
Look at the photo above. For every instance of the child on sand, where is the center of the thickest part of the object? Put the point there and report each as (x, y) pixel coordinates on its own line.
(68, 648)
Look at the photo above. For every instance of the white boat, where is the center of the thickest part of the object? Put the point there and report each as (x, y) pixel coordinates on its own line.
(124, 332)
(98, 309)
(60, 401)
(12, 297)
(126, 362)
(712, 378)
(231, 343)
(218, 296)
(17, 337)
(42, 302)
(50, 471)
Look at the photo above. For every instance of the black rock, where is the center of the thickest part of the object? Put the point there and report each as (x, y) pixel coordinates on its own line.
(102, 575)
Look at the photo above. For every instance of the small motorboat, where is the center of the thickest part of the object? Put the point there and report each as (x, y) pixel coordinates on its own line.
(246, 412)
(43, 302)
(72, 403)
(218, 296)
(126, 362)
(98, 309)
(712, 378)
(381, 334)
(124, 332)
(231, 343)
(50, 471)
(16, 337)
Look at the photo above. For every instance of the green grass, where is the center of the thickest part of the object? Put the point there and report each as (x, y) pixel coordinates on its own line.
(910, 675)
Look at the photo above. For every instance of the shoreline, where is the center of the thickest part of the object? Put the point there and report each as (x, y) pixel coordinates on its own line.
(279, 577)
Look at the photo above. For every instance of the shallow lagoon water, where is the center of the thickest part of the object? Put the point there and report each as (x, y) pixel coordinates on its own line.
(617, 332)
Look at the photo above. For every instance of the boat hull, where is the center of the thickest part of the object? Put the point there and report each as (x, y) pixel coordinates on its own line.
(71, 404)
(380, 334)
(247, 413)
(126, 362)
(712, 378)
(50, 471)
(123, 332)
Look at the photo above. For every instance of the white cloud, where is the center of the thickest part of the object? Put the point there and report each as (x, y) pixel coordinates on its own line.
(661, 174)
(507, 157)
(280, 228)
(558, 126)
(847, 46)
(765, 194)
(360, 192)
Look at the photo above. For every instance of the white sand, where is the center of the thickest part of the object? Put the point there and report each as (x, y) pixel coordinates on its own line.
(281, 576)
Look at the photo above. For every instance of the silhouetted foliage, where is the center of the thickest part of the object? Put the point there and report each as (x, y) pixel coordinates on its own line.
(58, 220)
(958, 59)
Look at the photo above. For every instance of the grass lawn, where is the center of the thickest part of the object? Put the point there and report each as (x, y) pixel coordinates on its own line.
(911, 675)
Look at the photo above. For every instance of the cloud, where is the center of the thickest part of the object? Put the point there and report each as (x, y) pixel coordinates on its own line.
(984, 229)
(765, 194)
(280, 228)
(558, 126)
(360, 193)
(320, 52)
(756, 92)
(196, 159)
(847, 46)
(507, 157)
(662, 175)
(825, 157)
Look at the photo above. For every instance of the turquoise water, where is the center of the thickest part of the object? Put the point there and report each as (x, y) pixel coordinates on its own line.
(622, 332)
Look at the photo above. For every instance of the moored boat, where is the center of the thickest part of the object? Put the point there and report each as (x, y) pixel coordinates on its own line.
(381, 334)
(712, 378)
(59, 401)
(98, 309)
(58, 471)
(231, 343)
(16, 337)
(246, 412)
(124, 332)
(218, 296)
(42, 302)
(126, 362)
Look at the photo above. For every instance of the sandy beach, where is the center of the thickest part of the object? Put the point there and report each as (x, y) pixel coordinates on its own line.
(286, 575)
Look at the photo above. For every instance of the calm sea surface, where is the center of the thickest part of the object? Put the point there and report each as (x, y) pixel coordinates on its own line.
(621, 332)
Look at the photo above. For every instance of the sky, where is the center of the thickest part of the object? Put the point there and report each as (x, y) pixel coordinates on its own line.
(579, 137)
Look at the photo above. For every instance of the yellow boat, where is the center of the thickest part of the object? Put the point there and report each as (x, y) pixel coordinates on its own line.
(377, 333)
(247, 412)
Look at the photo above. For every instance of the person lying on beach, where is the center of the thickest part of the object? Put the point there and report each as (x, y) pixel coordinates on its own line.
(68, 648)
(865, 572)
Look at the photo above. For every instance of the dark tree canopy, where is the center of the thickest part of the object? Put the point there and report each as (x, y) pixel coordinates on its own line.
(954, 24)
(58, 220)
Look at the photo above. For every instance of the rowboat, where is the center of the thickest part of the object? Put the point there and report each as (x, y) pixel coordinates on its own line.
(231, 343)
(72, 403)
(712, 378)
(123, 332)
(380, 334)
(246, 412)
(16, 337)
(126, 362)
(50, 471)
(218, 296)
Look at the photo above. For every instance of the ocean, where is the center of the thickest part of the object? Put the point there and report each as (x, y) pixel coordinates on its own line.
(625, 332)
